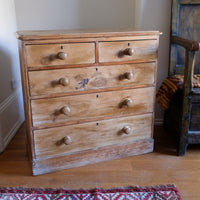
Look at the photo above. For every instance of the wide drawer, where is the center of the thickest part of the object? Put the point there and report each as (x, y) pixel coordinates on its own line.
(78, 79)
(70, 139)
(127, 50)
(88, 107)
(60, 54)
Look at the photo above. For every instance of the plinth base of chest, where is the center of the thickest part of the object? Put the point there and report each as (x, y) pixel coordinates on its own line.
(92, 156)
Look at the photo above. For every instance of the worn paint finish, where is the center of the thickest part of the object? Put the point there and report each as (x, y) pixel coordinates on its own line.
(185, 60)
(189, 28)
(186, 24)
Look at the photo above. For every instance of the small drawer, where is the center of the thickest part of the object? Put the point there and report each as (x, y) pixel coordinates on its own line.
(88, 107)
(127, 50)
(60, 54)
(74, 138)
(79, 79)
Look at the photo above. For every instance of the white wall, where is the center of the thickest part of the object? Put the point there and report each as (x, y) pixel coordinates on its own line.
(155, 15)
(11, 107)
(74, 14)
(8, 53)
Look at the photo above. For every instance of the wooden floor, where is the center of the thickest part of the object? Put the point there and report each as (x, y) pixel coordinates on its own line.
(160, 167)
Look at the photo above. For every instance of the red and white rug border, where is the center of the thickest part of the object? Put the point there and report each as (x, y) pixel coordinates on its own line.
(129, 189)
(136, 188)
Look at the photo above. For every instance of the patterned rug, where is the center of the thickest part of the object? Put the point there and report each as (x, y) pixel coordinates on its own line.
(162, 192)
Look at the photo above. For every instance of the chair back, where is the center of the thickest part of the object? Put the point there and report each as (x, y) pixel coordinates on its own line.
(185, 22)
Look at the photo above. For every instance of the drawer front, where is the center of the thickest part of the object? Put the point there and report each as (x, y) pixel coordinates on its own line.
(79, 79)
(70, 139)
(60, 54)
(127, 50)
(88, 107)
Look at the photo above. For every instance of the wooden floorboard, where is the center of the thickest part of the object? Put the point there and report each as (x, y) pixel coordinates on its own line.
(160, 167)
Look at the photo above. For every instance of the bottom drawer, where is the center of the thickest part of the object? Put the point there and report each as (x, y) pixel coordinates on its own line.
(74, 138)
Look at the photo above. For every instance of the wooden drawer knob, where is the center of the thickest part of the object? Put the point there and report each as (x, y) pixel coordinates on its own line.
(63, 81)
(67, 140)
(128, 51)
(65, 110)
(62, 55)
(126, 130)
(128, 75)
(128, 102)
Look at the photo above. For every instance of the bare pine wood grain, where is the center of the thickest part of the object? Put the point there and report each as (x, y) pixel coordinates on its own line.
(113, 51)
(92, 39)
(50, 143)
(47, 55)
(70, 89)
(26, 102)
(84, 33)
(91, 106)
(91, 157)
(88, 78)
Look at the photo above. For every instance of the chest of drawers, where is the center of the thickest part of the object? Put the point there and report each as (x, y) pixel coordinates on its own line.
(88, 95)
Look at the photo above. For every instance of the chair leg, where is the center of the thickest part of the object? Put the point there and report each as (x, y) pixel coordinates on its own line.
(182, 147)
(183, 136)
(187, 88)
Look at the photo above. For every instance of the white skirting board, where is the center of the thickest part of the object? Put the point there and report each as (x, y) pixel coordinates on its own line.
(11, 117)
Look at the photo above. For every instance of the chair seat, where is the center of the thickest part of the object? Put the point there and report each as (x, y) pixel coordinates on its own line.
(171, 85)
(196, 91)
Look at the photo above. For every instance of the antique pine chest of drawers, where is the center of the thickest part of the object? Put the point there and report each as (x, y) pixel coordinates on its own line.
(88, 95)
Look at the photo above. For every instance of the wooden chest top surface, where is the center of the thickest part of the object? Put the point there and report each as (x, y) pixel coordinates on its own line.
(61, 34)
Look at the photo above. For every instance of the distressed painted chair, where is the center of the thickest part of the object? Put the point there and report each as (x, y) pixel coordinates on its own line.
(183, 115)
